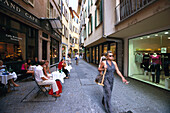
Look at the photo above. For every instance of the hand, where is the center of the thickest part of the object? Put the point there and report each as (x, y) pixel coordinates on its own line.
(105, 67)
(124, 80)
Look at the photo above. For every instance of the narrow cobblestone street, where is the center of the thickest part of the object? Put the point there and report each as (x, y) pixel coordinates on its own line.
(82, 95)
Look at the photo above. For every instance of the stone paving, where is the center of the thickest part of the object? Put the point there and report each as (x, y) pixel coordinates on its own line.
(82, 95)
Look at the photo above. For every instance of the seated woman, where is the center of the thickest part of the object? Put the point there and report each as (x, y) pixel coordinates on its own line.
(2, 68)
(25, 68)
(61, 66)
(47, 73)
(46, 69)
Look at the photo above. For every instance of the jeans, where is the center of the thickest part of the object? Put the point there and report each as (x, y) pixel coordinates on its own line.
(155, 67)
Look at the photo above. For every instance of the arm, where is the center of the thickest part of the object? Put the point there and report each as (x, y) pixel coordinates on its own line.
(118, 72)
(43, 78)
(102, 64)
(45, 71)
(49, 70)
(25, 66)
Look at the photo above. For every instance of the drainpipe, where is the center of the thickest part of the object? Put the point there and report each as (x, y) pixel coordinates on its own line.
(103, 20)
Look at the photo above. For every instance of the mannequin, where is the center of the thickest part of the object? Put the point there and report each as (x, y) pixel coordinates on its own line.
(145, 63)
(155, 61)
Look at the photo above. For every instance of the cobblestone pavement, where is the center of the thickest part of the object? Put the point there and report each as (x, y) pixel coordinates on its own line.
(82, 95)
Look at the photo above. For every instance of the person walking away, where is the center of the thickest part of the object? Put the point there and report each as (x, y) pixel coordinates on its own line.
(110, 66)
(77, 58)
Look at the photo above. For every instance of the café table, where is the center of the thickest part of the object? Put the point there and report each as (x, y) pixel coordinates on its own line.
(56, 75)
(68, 67)
(31, 68)
(5, 77)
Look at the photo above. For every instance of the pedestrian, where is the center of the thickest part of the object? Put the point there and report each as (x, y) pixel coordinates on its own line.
(102, 58)
(77, 58)
(64, 56)
(110, 66)
(88, 56)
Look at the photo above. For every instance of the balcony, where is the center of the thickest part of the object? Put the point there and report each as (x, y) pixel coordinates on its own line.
(127, 8)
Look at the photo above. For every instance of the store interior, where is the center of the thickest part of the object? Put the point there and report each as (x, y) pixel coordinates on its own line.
(149, 59)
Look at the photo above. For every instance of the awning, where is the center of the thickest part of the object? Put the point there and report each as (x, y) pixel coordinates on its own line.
(55, 22)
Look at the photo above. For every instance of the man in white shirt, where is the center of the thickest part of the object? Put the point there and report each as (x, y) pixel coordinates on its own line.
(77, 58)
(43, 80)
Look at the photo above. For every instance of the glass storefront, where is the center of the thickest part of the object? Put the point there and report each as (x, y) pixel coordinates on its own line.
(54, 56)
(97, 51)
(149, 58)
(17, 41)
(93, 54)
(113, 49)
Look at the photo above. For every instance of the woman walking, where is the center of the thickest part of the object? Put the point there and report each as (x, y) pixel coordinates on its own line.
(110, 66)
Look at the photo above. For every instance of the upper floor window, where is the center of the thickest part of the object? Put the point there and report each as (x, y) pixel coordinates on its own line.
(98, 14)
(51, 11)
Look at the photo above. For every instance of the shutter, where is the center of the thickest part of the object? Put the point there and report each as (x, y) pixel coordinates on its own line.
(91, 24)
(101, 11)
(91, 2)
(96, 17)
(88, 27)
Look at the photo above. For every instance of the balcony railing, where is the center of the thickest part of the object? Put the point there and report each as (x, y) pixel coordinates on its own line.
(127, 8)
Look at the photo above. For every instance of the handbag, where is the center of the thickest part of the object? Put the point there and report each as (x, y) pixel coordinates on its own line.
(100, 78)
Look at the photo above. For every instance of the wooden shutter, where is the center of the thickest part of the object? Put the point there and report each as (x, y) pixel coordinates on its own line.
(96, 17)
(91, 24)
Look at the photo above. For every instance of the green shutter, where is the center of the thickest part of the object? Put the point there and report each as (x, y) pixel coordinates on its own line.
(91, 24)
(101, 11)
(96, 17)
(88, 27)
(91, 2)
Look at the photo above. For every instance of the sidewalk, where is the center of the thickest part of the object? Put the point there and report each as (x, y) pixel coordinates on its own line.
(82, 95)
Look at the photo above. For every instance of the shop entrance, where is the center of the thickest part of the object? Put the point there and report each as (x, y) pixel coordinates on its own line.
(44, 50)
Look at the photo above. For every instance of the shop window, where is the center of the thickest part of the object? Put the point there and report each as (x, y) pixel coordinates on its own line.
(54, 56)
(93, 54)
(31, 42)
(113, 49)
(105, 48)
(97, 50)
(149, 58)
(12, 46)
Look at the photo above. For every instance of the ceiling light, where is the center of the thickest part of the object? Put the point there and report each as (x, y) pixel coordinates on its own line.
(141, 38)
(148, 36)
(156, 34)
(169, 38)
(166, 33)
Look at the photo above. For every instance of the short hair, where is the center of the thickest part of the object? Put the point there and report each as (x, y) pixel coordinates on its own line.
(108, 52)
(42, 62)
(47, 61)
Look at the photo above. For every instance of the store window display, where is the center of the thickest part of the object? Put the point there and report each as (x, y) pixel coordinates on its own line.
(149, 58)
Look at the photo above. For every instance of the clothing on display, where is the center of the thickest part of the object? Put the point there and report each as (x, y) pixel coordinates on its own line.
(139, 57)
(145, 63)
(155, 67)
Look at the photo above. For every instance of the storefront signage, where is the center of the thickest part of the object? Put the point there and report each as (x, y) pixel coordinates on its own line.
(163, 50)
(13, 37)
(12, 6)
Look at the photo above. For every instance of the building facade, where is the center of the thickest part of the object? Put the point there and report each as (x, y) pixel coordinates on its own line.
(135, 31)
(26, 33)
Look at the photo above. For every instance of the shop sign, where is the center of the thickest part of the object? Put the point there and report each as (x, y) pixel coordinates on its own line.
(12, 6)
(163, 50)
(13, 37)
